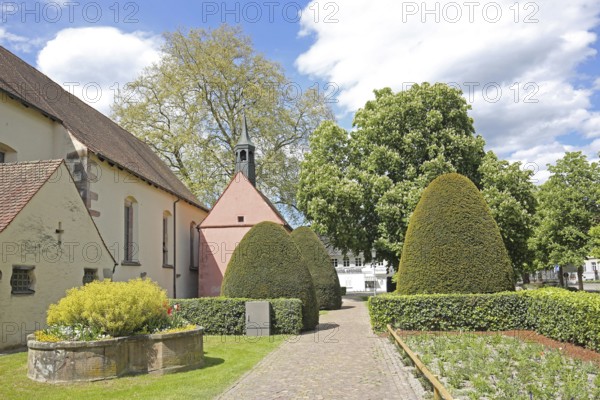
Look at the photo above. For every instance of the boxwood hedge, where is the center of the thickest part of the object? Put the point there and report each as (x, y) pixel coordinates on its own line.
(227, 316)
(267, 264)
(453, 244)
(572, 317)
(325, 278)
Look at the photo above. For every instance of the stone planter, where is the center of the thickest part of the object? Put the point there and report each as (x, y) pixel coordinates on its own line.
(113, 358)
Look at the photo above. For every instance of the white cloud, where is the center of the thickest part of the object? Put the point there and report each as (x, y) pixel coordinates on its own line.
(93, 62)
(17, 42)
(516, 73)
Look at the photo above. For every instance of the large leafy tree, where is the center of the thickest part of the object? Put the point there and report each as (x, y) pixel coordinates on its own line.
(569, 206)
(510, 194)
(360, 188)
(189, 108)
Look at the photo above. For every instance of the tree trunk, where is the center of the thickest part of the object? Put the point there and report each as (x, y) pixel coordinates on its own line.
(561, 279)
(525, 277)
(580, 277)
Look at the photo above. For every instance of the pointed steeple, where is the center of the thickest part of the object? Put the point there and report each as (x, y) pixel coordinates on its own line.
(244, 154)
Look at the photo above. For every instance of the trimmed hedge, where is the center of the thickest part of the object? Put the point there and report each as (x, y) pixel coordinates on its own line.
(453, 244)
(572, 317)
(325, 278)
(268, 265)
(227, 316)
(567, 316)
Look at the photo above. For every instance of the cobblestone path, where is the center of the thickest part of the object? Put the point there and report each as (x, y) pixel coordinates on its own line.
(343, 359)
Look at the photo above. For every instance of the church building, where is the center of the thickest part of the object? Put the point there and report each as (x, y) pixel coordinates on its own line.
(240, 207)
(146, 216)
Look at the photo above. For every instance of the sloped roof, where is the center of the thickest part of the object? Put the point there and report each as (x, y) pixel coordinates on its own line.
(240, 184)
(97, 132)
(19, 182)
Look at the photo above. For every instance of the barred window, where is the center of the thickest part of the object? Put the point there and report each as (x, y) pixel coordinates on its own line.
(22, 280)
(89, 275)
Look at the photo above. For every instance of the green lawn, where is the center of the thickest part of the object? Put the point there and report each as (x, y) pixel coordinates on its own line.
(227, 358)
(504, 368)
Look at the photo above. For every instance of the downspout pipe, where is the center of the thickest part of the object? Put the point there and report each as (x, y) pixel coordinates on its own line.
(175, 248)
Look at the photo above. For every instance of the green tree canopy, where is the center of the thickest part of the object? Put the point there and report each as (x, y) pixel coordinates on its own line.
(325, 278)
(569, 206)
(510, 194)
(453, 244)
(268, 265)
(360, 188)
(189, 109)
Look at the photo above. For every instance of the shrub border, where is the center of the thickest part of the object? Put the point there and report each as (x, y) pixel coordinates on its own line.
(572, 317)
(227, 316)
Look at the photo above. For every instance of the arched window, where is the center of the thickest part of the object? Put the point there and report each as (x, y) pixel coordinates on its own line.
(243, 155)
(131, 245)
(194, 246)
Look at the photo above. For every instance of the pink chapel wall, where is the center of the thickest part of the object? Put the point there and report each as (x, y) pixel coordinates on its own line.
(239, 208)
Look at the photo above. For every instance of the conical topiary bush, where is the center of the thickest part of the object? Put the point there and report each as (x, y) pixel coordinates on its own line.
(268, 265)
(453, 244)
(324, 276)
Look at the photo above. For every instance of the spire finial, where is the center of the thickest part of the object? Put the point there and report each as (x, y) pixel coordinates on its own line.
(244, 153)
(245, 137)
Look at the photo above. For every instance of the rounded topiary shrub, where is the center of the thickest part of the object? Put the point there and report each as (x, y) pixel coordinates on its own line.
(112, 308)
(453, 244)
(268, 265)
(324, 276)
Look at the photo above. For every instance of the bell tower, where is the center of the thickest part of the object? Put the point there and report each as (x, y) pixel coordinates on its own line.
(244, 155)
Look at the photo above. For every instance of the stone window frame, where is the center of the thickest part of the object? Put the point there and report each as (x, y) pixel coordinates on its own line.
(358, 262)
(346, 262)
(25, 279)
(130, 232)
(194, 246)
(167, 239)
(89, 273)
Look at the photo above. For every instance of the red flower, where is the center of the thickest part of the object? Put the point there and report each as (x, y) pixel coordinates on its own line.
(170, 310)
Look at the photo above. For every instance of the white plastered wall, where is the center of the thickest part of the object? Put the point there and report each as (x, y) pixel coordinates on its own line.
(113, 186)
(31, 240)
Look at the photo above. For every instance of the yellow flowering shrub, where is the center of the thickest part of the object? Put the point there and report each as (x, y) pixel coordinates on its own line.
(114, 308)
(42, 336)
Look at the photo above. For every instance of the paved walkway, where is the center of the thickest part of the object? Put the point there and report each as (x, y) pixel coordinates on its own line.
(343, 359)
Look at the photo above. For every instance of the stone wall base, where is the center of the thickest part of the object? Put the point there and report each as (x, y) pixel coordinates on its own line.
(112, 358)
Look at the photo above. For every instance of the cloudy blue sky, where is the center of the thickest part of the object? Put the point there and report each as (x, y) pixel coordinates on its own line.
(530, 69)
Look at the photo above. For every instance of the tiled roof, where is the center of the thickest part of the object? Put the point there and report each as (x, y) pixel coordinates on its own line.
(97, 132)
(19, 182)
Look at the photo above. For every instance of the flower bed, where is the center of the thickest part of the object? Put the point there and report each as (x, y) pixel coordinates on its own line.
(77, 361)
(499, 367)
(105, 330)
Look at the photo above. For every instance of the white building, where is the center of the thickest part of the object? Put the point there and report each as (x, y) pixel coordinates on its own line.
(358, 276)
(146, 216)
(591, 269)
